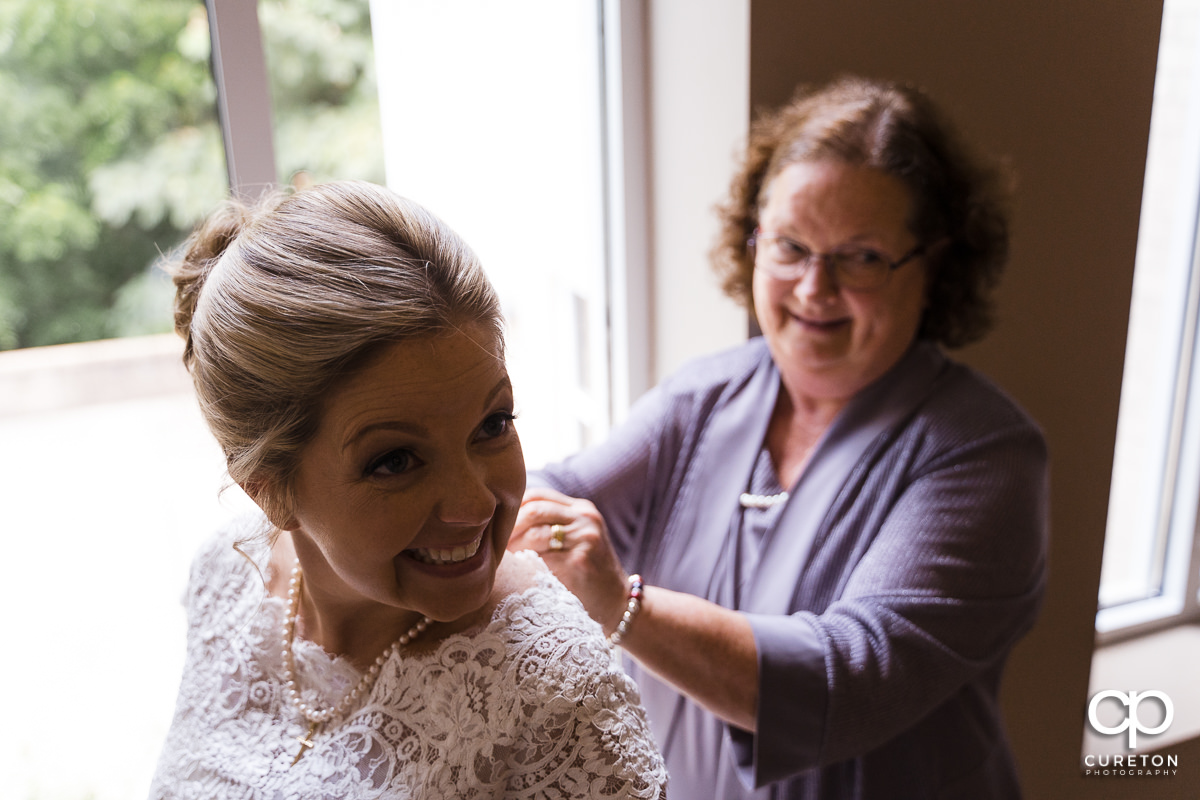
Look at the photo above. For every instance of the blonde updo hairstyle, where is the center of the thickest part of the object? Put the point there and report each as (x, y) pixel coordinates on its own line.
(280, 302)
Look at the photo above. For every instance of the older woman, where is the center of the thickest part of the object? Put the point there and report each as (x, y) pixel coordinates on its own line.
(347, 353)
(839, 531)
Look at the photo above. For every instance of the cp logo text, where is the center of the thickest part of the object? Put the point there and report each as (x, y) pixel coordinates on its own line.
(1132, 722)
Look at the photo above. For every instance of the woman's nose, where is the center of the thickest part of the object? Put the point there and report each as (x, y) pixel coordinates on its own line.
(467, 498)
(818, 281)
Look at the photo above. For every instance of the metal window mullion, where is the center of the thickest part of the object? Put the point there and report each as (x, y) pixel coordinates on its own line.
(243, 96)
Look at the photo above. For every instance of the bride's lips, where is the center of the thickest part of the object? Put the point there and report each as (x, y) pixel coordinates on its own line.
(446, 555)
(451, 560)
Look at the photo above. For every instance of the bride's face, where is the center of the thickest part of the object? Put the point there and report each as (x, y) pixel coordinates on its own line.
(409, 490)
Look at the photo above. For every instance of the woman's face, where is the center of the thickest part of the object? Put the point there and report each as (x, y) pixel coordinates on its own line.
(829, 342)
(408, 492)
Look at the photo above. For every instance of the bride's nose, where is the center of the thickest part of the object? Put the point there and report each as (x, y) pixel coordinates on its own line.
(467, 499)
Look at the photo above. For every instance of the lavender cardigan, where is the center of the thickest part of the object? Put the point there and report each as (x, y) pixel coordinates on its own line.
(908, 561)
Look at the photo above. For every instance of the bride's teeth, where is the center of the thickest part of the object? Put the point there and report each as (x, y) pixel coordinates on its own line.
(431, 555)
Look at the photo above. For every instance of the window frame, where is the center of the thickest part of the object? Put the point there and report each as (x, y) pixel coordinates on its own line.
(1169, 515)
(627, 201)
(243, 105)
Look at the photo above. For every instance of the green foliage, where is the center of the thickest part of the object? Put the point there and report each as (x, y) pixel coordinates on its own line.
(110, 150)
(322, 69)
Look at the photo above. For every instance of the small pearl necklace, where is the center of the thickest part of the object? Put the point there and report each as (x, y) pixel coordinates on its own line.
(748, 500)
(316, 717)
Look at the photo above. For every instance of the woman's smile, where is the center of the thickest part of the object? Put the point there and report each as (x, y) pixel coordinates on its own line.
(446, 555)
(816, 325)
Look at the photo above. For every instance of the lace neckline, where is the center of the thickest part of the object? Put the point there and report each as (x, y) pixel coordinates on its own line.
(339, 669)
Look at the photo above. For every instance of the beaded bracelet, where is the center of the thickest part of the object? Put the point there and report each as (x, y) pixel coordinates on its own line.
(631, 609)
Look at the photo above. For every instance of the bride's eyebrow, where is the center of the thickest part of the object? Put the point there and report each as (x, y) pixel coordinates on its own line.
(411, 428)
(415, 428)
(504, 383)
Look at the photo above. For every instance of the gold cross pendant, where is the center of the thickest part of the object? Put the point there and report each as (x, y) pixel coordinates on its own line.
(306, 741)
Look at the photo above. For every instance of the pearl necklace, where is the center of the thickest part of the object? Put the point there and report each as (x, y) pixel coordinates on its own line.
(316, 717)
(760, 501)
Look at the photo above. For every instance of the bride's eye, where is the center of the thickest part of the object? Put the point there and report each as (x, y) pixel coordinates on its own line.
(394, 463)
(497, 425)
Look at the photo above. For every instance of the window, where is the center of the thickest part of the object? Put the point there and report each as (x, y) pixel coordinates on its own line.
(493, 119)
(1150, 567)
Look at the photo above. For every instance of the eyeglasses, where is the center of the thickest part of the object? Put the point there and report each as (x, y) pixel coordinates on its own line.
(853, 268)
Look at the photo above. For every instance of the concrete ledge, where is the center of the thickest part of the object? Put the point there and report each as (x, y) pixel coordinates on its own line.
(63, 376)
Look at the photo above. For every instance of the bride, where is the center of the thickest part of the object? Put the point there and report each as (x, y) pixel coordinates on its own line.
(367, 635)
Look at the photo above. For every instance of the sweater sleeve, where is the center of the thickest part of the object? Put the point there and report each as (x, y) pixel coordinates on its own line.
(619, 474)
(634, 477)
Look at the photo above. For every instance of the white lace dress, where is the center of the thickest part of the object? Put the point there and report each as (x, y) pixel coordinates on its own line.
(533, 706)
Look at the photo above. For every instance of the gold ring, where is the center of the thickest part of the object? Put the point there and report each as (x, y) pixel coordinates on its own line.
(558, 537)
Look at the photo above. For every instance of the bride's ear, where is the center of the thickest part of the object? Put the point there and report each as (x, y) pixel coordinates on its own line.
(271, 501)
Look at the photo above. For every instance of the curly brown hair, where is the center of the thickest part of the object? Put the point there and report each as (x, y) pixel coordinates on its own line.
(957, 198)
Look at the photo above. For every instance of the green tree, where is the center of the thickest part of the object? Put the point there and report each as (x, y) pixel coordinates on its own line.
(110, 150)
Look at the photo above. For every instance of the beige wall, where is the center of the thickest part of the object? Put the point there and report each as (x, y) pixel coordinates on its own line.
(698, 74)
(1064, 89)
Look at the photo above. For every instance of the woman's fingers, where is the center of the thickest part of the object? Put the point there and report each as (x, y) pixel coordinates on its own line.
(535, 520)
(524, 531)
(547, 532)
(548, 520)
(541, 507)
(572, 538)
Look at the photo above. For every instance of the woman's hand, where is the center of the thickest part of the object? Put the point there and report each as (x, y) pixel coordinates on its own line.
(570, 535)
(705, 651)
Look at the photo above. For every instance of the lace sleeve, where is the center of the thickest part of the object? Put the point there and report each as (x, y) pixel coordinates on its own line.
(584, 734)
